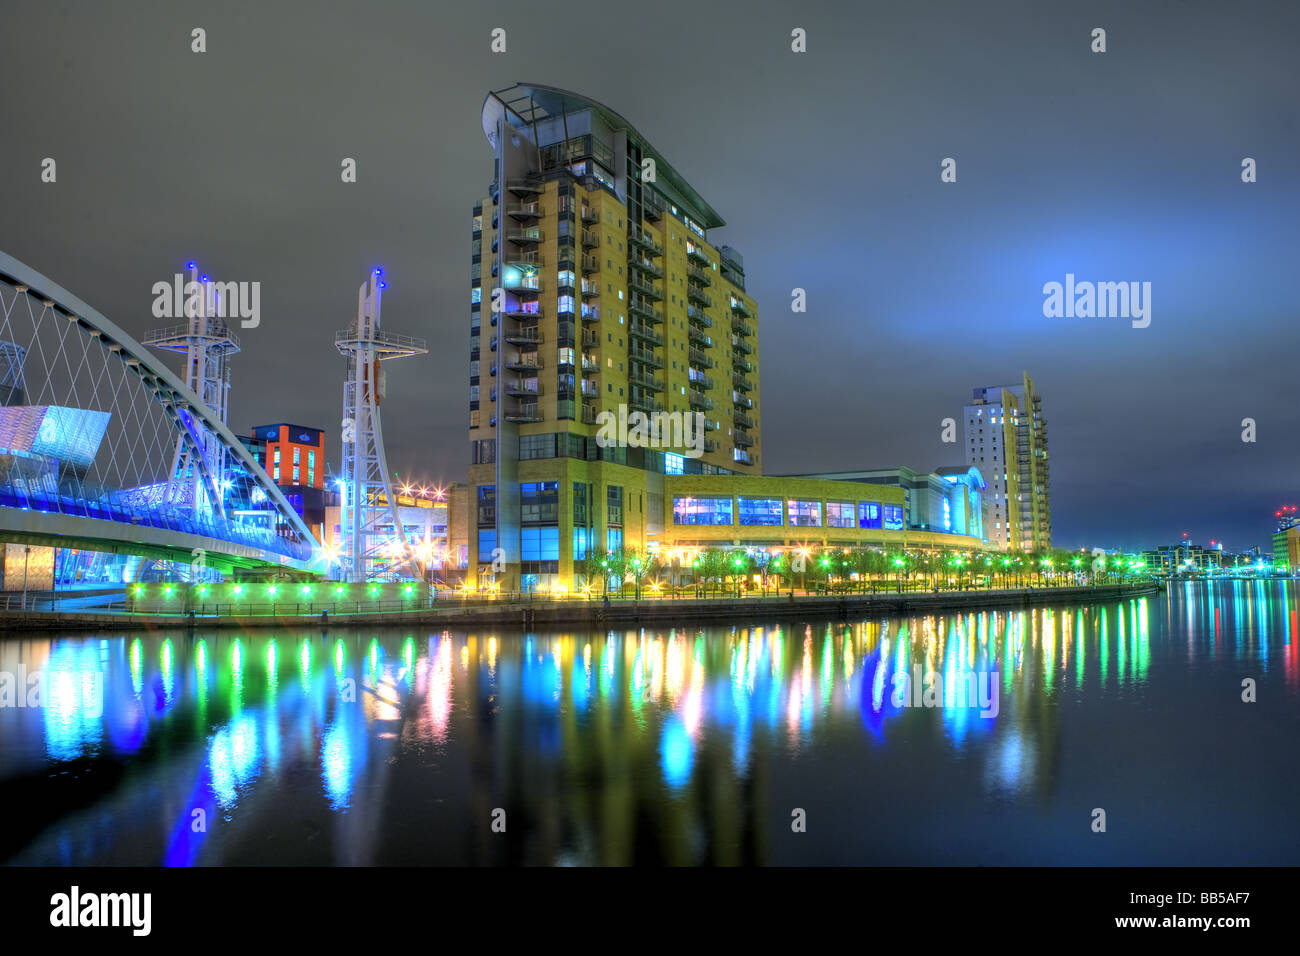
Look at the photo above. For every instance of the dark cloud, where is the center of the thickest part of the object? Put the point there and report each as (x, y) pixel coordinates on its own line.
(1122, 166)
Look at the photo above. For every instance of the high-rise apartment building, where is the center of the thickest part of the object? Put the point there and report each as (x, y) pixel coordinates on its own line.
(595, 294)
(1006, 439)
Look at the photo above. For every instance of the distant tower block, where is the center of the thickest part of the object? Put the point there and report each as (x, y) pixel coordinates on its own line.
(207, 344)
(369, 505)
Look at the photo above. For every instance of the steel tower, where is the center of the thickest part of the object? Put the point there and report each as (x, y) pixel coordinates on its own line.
(368, 500)
(207, 343)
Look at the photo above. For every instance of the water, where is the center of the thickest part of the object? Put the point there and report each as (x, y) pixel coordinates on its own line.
(684, 747)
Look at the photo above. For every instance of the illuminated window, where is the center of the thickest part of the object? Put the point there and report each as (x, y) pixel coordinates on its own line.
(760, 511)
(868, 514)
(805, 514)
(840, 514)
(701, 511)
(892, 516)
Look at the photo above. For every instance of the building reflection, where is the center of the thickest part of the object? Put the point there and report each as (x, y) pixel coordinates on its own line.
(609, 748)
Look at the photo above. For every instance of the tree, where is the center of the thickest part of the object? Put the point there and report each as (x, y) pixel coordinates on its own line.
(614, 565)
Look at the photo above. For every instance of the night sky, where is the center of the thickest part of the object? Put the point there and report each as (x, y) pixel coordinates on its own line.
(1123, 166)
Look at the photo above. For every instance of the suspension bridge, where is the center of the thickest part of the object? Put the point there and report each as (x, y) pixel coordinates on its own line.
(105, 449)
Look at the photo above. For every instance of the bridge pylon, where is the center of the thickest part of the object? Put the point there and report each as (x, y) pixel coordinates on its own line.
(368, 500)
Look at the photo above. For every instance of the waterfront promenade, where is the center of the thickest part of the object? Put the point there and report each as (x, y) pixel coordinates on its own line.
(549, 611)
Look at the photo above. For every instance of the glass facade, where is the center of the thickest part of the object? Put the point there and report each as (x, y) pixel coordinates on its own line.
(893, 517)
(868, 514)
(760, 511)
(805, 514)
(840, 514)
(702, 511)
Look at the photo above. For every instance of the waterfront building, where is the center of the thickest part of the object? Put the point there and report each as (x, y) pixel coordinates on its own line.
(1286, 539)
(950, 499)
(1006, 439)
(596, 297)
(294, 457)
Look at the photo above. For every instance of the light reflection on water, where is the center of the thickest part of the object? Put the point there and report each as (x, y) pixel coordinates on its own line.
(679, 746)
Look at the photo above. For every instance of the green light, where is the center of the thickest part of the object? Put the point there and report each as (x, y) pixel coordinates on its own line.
(139, 589)
(239, 589)
(338, 589)
(407, 589)
(271, 589)
(168, 589)
(306, 590)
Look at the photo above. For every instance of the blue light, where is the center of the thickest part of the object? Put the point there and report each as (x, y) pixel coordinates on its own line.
(203, 278)
(383, 285)
(189, 265)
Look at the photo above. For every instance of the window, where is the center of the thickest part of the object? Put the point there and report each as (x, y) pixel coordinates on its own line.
(893, 517)
(614, 539)
(580, 504)
(311, 466)
(539, 503)
(839, 514)
(297, 455)
(539, 544)
(674, 464)
(760, 511)
(805, 514)
(701, 511)
(614, 501)
(536, 446)
(487, 506)
(487, 544)
(581, 543)
(868, 514)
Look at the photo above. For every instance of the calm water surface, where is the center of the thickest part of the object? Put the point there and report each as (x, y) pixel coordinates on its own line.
(685, 746)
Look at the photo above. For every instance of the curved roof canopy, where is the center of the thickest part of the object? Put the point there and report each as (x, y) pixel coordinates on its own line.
(526, 104)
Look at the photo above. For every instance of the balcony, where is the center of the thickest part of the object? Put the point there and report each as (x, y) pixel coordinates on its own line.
(698, 400)
(517, 282)
(590, 313)
(590, 339)
(742, 457)
(589, 414)
(742, 420)
(589, 239)
(699, 359)
(520, 314)
(696, 315)
(645, 289)
(710, 445)
(700, 380)
(743, 439)
(741, 346)
(590, 288)
(589, 365)
(695, 253)
(642, 240)
(525, 412)
(589, 214)
(645, 404)
(740, 366)
(642, 331)
(646, 357)
(697, 295)
(523, 212)
(648, 267)
(695, 335)
(699, 275)
(648, 382)
(740, 326)
(523, 388)
(741, 401)
(590, 264)
(526, 187)
(644, 310)
(529, 364)
(527, 335)
(738, 305)
(525, 237)
(741, 383)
